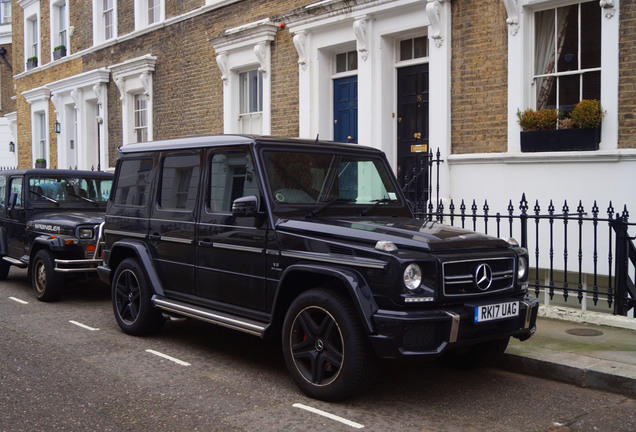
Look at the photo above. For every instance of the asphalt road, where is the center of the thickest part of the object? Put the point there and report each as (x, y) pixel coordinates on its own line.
(66, 366)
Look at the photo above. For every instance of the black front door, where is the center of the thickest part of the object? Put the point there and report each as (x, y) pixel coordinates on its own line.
(413, 131)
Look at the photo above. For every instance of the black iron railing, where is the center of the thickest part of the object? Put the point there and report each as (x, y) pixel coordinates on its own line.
(574, 254)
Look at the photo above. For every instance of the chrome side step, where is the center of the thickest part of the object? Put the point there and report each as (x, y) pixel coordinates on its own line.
(245, 325)
(15, 262)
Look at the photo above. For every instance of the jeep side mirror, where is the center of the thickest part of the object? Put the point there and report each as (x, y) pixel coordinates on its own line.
(245, 206)
(13, 200)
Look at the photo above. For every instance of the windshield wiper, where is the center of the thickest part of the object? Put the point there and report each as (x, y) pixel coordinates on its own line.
(320, 208)
(82, 198)
(376, 203)
(45, 197)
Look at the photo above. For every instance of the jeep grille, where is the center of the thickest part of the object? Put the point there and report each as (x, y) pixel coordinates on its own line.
(460, 277)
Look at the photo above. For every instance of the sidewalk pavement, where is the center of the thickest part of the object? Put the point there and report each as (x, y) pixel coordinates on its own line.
(596, 356)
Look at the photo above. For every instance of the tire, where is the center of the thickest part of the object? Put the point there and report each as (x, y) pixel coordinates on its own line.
(131, 295)
(476, 356)
(4, 269)
(325, 348)
(46, 282)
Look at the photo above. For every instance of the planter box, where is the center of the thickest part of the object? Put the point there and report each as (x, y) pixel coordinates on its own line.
(32, 64)
(560, 140)
(58, 54)
(40, 164)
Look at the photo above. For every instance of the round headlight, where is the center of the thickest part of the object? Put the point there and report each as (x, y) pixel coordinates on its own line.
(412, 277)
(522, 270)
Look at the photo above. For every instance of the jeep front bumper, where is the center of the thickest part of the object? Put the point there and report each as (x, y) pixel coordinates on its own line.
(429, 333)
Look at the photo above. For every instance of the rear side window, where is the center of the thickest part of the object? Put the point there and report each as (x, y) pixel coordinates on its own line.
(180, 181)
(133, 183)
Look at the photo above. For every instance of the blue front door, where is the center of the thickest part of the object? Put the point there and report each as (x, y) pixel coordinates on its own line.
(345, 110)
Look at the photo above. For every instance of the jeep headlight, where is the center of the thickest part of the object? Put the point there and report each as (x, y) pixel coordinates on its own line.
(412, 277)
(86, 233)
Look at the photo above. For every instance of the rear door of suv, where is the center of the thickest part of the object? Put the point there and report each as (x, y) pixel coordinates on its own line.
(172, 225)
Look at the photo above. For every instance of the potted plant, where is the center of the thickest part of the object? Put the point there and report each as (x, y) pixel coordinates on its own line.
(59, 52)
(40, 163)
(548, 130)
(32, 62)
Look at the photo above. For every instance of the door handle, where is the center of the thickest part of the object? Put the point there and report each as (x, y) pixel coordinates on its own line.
(204, 243)
(350, 138)
(417, 135)
(154, 236)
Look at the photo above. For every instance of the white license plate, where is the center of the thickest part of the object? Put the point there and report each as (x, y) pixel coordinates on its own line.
(496, 311)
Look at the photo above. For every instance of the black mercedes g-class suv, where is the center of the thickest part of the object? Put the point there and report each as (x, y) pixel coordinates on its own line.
(312, 243)
(50, 222)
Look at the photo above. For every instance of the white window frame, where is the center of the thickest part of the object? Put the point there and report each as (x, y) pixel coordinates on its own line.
(248, 116)
(58, 27)
(38, 98)
(133, 77)
(142, 9)
(521, 53)
(99, 25)
(32, 34)
(239, 50)
(5, 12)
(140, 114)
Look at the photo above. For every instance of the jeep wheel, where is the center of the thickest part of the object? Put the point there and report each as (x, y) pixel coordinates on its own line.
(325, 348)
(46, 283)
(133, 309)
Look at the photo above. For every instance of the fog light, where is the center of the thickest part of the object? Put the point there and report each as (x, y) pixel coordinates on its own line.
(412, 277)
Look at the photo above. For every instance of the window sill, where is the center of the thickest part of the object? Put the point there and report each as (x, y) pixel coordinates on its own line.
(599, 156)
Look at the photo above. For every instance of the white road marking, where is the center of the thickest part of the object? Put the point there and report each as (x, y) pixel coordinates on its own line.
(328, 415)
(167, 357)
(18, 300)
(84, 326)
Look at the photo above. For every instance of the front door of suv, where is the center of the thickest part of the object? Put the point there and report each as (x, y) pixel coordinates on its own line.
(15, 223)
(172, 222)
(231, 249)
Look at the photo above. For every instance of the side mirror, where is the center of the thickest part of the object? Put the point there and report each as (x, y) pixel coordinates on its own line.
(245, 206)
(13, 200)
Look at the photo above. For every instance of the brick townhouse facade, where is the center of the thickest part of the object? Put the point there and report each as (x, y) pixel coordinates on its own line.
(399, 75)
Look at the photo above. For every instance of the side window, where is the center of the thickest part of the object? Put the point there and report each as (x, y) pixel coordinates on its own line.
(179, 182)
(3, 192)
(232, 176)
(16, 192)
(133, 183)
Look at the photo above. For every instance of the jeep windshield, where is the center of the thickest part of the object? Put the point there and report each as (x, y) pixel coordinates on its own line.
(46, 191)
(328, 183)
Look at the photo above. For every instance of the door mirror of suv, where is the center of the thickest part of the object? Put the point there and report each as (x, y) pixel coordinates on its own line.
(13, 200)
(245, 206)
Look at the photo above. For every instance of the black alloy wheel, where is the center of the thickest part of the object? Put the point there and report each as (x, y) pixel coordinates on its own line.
(325, 348)
(133, 309)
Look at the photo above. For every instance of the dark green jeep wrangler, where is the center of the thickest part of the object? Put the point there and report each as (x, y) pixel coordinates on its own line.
(50, 223)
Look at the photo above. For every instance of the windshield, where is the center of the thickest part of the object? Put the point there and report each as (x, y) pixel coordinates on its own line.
(46, 190)
(318, 178)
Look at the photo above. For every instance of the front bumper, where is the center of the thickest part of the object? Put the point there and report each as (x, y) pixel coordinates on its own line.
(431, 332)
